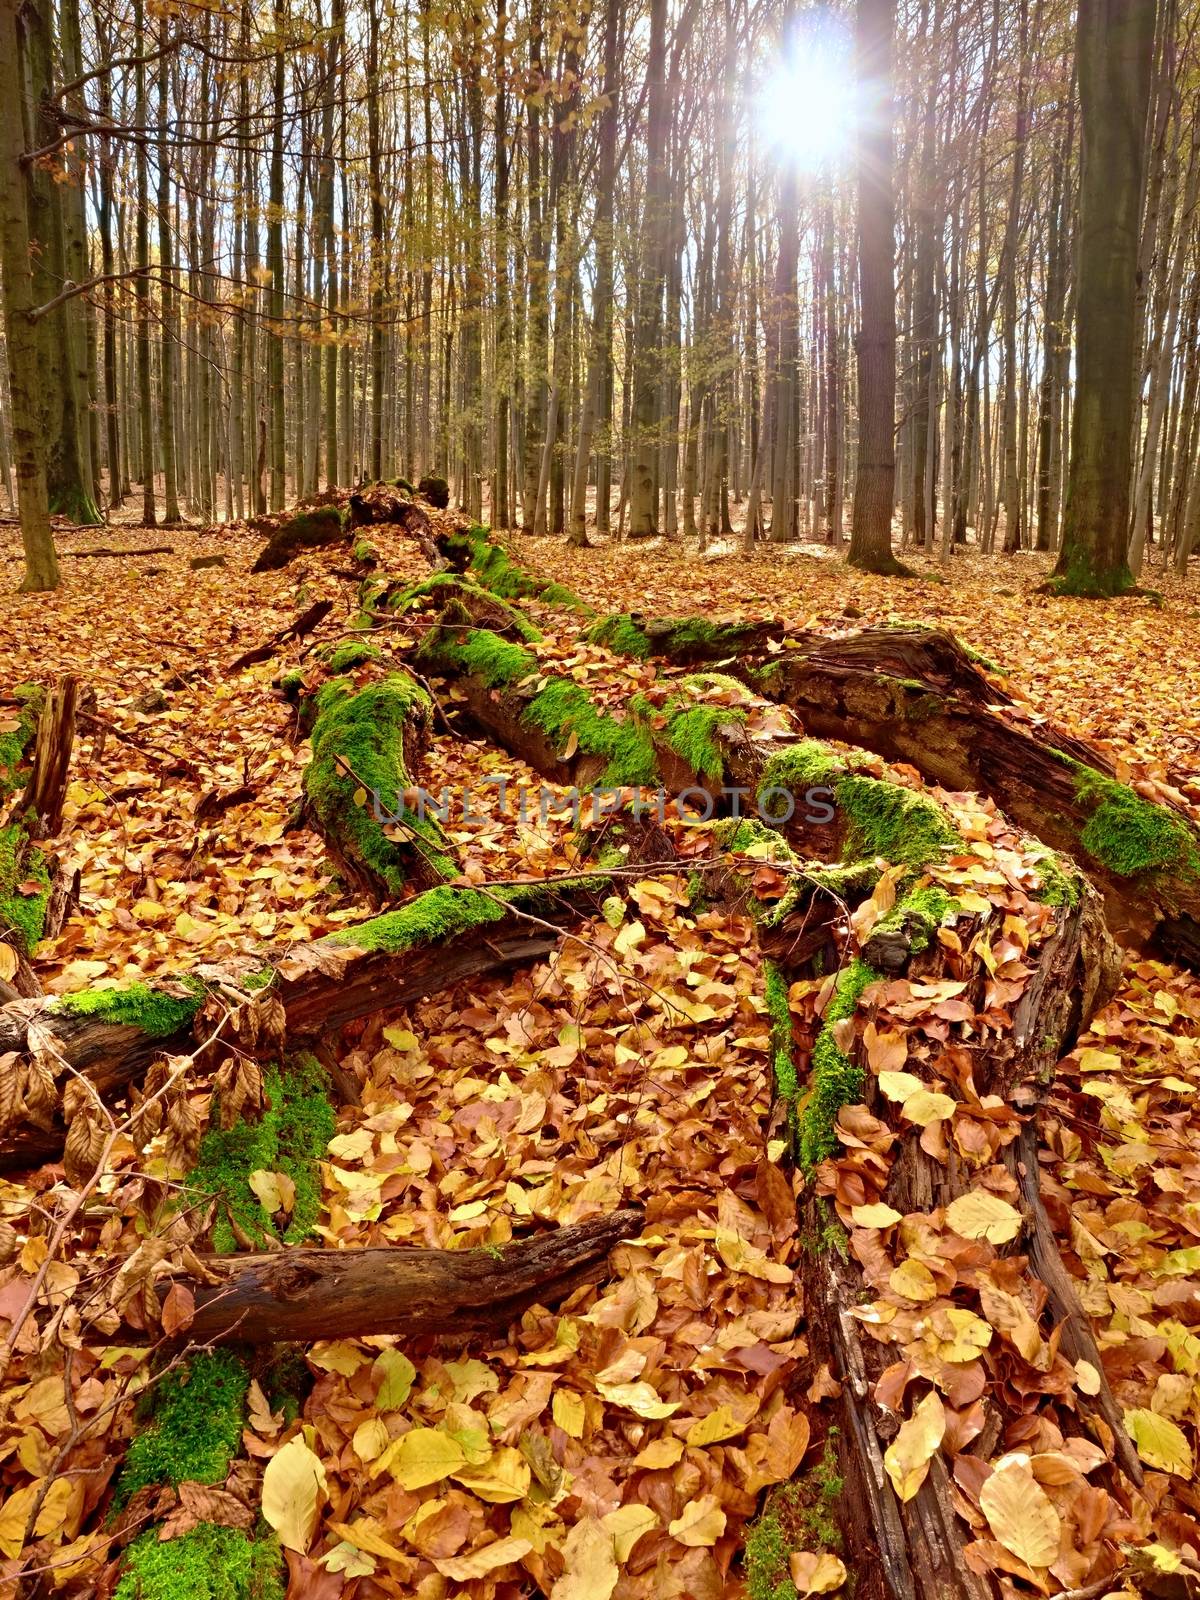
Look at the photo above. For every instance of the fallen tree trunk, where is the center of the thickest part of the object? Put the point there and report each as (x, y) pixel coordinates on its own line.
(112, 1035)
(302, 1294)
(915, 695)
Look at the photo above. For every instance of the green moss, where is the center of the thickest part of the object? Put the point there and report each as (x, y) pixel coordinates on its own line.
(748, 836)
(448, 585)
(195, 1428)
(365, 552)
(1129, 835)
(834, 1080)
(364, 731)
(138, 1006)
(352, 653)
(14, 744)
(564, 708)
(809, 764)
(497, 571)
(289, 1137)
(918, 915)
(889, 821)
(783, 1063)
(499, 662)
(1060, 881)
(442, 913)
(292, 683)
(620, 634)
(1082, 578)
(693, 728)
(23, 863)
(800, 1515)
(208, 1563)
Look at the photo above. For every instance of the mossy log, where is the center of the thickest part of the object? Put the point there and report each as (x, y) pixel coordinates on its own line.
(433, 942)
(331, 1294)
(384, 504)
(916, 695)
(311, 528)
(360, 786)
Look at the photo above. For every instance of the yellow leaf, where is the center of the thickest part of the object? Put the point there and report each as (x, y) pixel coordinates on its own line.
(293, 1491)
(401, 1039)
(364, 1533)
(913, 1281)
(1160, 1442)
(627, 1524)
(504, 1476)
(275, 1190)
(631, 938)
(1021, 1514)
(926, 1106)
(876, 1216)
(907, 1458)
(338, 1355)
(423, 1456)
(717, 1425)
(979, 1214)
(8, 961)
(898, 1085)
(659, 1454)
(1087, 1377)
(14, 1514)
(815, 1572)
(640, 1398)
(371, 1439)
(701, 1522)
(398, 1374)
(960, 1334)
(569, 1412)
(348, 1558)
(590, 1571)
(500, 1553)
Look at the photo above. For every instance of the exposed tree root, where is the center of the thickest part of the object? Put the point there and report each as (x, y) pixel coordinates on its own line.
(323, 1294)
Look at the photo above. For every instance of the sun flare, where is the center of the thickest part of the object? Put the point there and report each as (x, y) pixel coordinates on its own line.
(806, 106)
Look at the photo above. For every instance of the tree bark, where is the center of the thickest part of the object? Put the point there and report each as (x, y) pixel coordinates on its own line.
(300, 1295)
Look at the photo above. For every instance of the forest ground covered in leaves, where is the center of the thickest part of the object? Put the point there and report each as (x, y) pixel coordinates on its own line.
(660, 1434)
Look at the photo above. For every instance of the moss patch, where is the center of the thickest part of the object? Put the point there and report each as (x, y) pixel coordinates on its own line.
(209, 1563)
(1129, 835)
(15, 742)
(196, 1425)
(783, 1063)
(352, 653)
(365, 731)
(442, 913)
(138, 1006)
(499, 662)
(694, 727)
(448, 585)
(800, 1515)
(834, 1080)
(918, 915)
(564, 708)
(289, 1137)
(1061, 884)
(23, 864)
(496, 570)
(621, 635)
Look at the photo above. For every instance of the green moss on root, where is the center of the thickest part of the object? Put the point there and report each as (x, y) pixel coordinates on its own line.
(564, 709)
(479, 652)
(443, 913)
(137, 1005)
(15, 743)
(1061, 884)
(621, 635)
(352, 653)
(195, 1428)
(835, 1080)
(451, 584)
(918, 915)
(1129, 835)
(364, 731)
(289, 1137)
(783, 1063)
(207, 1563)
(694, 726)
(23, 863)
(496, 570)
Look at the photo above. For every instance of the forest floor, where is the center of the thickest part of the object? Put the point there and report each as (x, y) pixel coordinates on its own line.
(633, 1067)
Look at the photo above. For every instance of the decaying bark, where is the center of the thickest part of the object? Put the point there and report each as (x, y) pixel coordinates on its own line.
(301, 1294)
